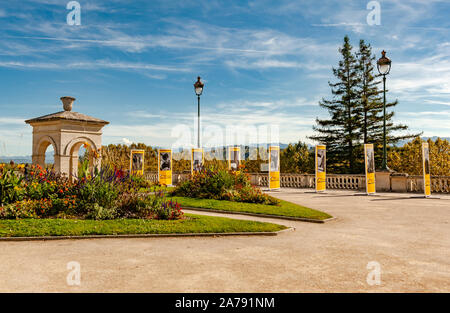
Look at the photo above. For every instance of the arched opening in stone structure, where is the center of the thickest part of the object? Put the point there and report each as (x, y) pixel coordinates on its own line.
(46, 154)
(82, 159)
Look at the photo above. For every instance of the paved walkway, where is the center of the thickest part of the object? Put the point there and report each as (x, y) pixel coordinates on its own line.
(409, 238)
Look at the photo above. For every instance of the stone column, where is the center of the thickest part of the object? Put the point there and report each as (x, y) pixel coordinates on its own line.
(399, 182)
(62, 164)
(383, 181)
(38, 159)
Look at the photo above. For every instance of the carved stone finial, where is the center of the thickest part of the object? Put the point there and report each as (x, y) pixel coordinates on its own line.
(67, 103)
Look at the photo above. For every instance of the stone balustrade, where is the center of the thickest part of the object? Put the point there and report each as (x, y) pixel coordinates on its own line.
(439, 184)
(353, 182)
(151, 176)
(397, 182)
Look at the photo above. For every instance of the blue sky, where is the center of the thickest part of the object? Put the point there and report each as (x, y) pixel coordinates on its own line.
(133, 63)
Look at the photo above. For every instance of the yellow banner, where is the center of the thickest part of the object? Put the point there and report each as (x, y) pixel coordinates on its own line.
(234, 158)
(197, 160)
(426, 169)
(165, 167)
(137, 162)
(369, 158)
(274, 167)
(321, 168)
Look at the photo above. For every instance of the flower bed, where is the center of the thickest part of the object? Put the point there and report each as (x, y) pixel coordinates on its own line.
(220, 184)
(109, 194)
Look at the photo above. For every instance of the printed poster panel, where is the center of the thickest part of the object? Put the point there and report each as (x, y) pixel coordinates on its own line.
(234, 158)
(274, 167)
(426, 169)
(137, 162)
(197, 160)
(165, 167)
(370, 168)
(321, 168)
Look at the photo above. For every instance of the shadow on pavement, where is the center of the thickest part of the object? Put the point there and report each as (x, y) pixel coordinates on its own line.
(408, 198)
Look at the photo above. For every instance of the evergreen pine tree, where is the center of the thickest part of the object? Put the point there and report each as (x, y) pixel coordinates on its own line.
(370, 98)
(341, 133)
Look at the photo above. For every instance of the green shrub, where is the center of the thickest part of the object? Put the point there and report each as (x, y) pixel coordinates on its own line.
(108, 194)
(168, 210)
(97, 212)
(10, 186)
(222, 185)
(19, 209)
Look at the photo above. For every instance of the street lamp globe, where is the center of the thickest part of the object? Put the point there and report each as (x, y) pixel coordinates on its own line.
(384, 64)
(198, 87)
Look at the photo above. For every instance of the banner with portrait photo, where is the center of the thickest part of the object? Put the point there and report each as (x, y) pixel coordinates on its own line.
(165, 167)
(426, 169)
(321, 168)
(369, 160)
(234, 158)
(197, 160)
(137, 162)
(274, 167)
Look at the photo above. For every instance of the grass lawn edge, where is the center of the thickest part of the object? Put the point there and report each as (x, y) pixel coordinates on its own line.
(195, 225)
(281, 217)
(137, 236)
(287, 210)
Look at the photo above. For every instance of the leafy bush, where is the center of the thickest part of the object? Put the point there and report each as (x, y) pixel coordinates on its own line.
(10, 186)
(168, 210)
(25, 209)
(134, 205)
(222, 185)
(34, 192)
(98, 212)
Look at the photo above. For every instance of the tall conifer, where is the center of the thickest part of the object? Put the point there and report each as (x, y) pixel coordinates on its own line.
(341, 132)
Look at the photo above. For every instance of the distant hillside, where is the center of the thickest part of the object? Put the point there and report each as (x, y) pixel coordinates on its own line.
(24, 159)
(434, 138)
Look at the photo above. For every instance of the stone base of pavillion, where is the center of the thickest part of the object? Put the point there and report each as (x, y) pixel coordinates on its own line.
(67, 131)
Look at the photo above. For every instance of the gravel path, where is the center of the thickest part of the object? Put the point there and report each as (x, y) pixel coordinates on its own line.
(409, 238)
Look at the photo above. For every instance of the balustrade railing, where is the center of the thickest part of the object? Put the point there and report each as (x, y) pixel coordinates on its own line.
(439, 184)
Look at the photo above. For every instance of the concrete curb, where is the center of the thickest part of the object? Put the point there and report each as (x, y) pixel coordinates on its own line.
(275, 233)
(301, 219)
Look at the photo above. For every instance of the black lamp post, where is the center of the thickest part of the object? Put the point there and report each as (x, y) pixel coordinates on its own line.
(384, 67)
(198, 91)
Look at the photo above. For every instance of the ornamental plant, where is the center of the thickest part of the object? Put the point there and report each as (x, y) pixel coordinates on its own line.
(222, 184)
(34, 192)
(10, 186)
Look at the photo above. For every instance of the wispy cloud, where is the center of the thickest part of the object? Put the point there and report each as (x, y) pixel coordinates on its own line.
(12, 120)
(100, 64)
(438, 102)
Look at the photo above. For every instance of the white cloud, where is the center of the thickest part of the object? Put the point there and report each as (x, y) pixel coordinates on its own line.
(12, 120)
(437, 102)
(99, 64)
(127, 141)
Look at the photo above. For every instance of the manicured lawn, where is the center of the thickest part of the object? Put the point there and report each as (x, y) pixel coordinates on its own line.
(285, 209)
(73, 227)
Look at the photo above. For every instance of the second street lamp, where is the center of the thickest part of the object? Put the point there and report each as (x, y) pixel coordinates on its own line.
(198, 91)
(384, 67)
